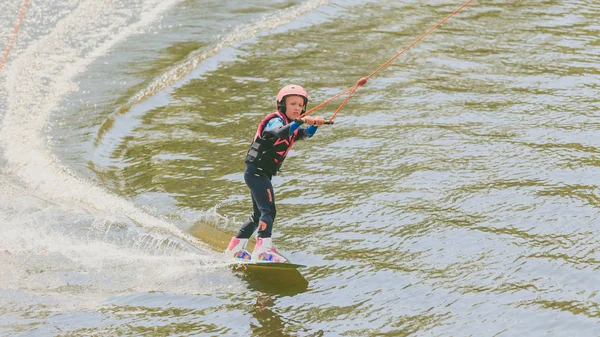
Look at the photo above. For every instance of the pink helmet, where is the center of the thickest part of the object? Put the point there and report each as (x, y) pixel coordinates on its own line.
(291, 90)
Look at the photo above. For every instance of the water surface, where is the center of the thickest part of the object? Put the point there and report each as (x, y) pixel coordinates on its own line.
(454, 196)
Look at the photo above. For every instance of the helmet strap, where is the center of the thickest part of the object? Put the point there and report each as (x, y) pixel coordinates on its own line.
(281, 106)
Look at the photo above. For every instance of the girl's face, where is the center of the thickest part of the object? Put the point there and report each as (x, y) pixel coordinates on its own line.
(293, 106)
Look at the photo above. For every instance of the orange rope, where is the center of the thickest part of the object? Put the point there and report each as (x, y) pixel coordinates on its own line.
(363, 80)
(14, 34)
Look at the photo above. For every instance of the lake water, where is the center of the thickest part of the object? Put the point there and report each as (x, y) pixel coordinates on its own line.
(456, 194)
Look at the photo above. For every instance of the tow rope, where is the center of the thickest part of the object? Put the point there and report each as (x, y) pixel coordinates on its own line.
(14, 34)
(364, 80)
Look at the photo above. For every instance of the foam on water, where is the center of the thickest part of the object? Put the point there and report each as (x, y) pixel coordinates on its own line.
(36, 83)
(60, 232)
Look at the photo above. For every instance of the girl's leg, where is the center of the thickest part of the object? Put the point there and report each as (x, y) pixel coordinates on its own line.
(249, 226)
(263, 199)
(267, 209)
(263, 204)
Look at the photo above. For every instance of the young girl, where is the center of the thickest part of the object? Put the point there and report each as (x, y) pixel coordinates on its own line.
(274, 138)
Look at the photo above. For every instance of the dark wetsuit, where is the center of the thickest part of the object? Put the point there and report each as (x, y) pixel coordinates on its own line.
(274, 138)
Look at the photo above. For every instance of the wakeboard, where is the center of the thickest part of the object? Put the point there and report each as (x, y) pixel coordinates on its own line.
(272, 277)
(267, 265)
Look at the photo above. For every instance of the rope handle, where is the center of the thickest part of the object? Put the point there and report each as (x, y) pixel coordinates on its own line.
(301, 121)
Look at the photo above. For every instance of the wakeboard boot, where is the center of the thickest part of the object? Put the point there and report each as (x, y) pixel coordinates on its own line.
(265, 251)
(237, 249)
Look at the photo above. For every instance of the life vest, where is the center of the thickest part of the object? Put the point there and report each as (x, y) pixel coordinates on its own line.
(268, 152)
